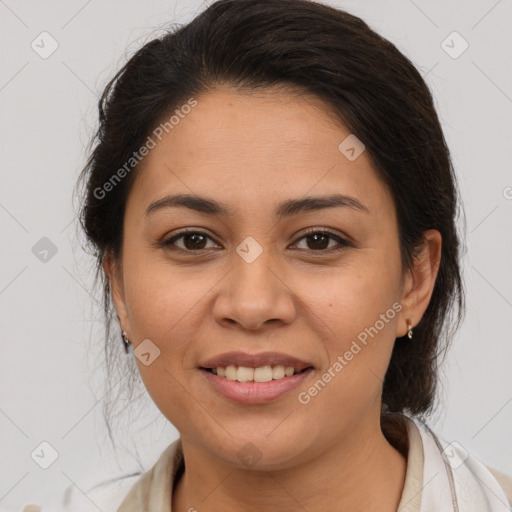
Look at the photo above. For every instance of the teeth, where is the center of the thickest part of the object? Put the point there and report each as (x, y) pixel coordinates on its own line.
(260, 374)
(288, 371)
(231, 372)
(244, 374)
(278, 372)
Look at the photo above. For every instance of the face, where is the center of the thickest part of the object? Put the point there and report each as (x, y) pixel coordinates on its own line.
(320, 281)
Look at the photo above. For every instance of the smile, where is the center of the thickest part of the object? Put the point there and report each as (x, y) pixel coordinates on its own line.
(260, 374)
(241, 384)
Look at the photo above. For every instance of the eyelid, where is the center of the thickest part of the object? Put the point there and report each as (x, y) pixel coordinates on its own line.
(342, 240)
(166, 240)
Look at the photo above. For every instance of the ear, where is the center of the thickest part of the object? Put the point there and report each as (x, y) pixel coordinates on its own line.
(419, 281)
(113, 271)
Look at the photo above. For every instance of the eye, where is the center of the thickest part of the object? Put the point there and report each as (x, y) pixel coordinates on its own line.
(193, 241)
(319, 241)
(196, 241)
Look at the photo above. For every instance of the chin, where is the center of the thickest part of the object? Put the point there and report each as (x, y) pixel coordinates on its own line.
(259, 452)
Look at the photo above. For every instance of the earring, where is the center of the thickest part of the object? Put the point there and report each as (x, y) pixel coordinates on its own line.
(409, 331)
(126, 341)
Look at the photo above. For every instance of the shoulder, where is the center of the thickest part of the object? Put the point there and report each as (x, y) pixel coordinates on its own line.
(505, 481)
(123, 493)
(104, 495)
(152, 489)
(502, 480)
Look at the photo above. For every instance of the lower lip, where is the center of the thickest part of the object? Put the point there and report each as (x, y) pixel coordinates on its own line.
(255, 392)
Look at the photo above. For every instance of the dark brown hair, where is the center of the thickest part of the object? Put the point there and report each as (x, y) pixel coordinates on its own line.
(375, 91)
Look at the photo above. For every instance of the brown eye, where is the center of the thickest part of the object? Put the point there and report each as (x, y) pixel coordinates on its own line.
(192, 241)
(319, 241)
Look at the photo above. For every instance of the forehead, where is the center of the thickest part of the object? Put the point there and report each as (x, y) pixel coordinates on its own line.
(261, 124)
(256, 147)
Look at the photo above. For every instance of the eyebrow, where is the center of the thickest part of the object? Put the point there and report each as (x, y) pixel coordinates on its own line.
(284, 209)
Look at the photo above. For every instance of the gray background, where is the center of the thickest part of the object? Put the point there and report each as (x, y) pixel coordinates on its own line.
(50, 373)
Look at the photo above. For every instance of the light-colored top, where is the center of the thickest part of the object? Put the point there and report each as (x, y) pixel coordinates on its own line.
(154, 489)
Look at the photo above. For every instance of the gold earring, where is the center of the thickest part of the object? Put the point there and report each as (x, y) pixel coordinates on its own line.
(409, 330)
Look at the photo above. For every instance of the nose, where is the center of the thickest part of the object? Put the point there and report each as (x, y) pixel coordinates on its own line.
(255, 294)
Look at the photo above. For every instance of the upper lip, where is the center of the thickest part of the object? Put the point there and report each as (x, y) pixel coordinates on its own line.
(255, 360)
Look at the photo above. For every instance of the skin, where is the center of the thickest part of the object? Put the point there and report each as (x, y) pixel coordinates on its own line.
(252, 151)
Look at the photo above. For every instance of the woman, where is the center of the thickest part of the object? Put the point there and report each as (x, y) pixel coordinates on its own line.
(273, 207)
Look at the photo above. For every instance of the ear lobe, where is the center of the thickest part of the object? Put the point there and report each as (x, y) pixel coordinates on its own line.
(420, 281)
(112, 269)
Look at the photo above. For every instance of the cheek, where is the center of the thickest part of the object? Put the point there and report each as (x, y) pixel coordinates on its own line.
(358, 311)
(362, 326)
(160, 299)
(164, 306)
(351, 299)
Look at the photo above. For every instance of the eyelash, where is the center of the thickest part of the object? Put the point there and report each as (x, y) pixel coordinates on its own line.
(170, 242)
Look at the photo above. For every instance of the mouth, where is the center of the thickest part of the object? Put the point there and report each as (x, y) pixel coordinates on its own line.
(254, 378)
(266, 373)
(245, 367)
(238, 384)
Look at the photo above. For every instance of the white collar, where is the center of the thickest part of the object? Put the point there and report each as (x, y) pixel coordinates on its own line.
(454, 480)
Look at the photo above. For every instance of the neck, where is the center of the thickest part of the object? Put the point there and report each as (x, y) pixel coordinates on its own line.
(361, 472)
